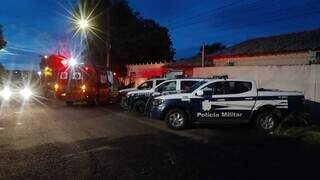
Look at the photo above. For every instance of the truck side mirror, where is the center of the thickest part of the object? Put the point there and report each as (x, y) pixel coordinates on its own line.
(199, 93)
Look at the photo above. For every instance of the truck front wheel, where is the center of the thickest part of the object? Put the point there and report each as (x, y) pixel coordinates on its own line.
(176, 119)
(267, 121)
(139, 107)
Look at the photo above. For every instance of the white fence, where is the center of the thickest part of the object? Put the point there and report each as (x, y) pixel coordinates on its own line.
(305, 78)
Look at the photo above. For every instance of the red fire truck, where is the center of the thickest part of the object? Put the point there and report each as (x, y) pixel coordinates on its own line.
(80, 82)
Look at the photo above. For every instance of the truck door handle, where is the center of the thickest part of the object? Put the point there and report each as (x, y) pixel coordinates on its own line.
(221, 99)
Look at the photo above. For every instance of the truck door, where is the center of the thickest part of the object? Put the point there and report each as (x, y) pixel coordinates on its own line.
(226, 101)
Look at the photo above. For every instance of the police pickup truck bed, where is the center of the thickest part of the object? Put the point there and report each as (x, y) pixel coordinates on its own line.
(226, 101)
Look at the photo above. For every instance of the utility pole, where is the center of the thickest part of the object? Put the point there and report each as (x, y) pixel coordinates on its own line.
(108, 44)
(202, 57)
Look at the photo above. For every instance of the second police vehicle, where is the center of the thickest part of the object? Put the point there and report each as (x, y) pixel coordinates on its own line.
(137, 100)
(226, 101)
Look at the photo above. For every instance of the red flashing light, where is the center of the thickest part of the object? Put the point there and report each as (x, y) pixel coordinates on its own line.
(64, 62)
(114, 74)
(86, 68)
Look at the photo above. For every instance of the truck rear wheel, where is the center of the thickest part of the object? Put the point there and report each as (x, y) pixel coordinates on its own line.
(176, 119)
(267, 121)
(94, 101)
(139, 107)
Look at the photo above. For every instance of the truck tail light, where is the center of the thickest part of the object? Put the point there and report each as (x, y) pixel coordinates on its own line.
(56, 87)
(83, 88)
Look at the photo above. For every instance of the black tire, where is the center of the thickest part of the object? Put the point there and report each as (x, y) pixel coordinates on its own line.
(176, 119)
(69, 103)
(94, 102)
(266, 121)
(139, 107)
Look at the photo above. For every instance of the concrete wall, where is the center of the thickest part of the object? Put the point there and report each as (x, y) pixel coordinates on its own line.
(266, 60)
(305, 78)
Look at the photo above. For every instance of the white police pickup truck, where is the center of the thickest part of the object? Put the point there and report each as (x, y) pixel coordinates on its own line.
(137, 100)
(146, 85)
(226, 101)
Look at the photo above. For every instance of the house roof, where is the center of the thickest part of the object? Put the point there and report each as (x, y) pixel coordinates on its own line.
(293, 42)
(189, 62)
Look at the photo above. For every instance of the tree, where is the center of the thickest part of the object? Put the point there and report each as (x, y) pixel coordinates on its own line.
(2, 41)
(133, 39)
(212, 48)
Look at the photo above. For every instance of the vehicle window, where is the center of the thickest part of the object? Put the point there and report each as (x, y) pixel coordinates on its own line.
(216, 88)
(196, 85)
(186, 85)
(238, 87)
(227, 87)
(159, 81)
(145, 85)
(167, 86)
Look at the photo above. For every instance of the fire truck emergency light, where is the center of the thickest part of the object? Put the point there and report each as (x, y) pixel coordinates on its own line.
(73, 62)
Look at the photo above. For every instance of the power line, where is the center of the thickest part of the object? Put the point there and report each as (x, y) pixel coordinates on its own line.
(212, 17)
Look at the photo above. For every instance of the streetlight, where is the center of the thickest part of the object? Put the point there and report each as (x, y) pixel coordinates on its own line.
(83, 24)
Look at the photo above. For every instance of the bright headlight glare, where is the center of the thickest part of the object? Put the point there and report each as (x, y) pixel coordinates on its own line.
(6, 93)
(26, 93)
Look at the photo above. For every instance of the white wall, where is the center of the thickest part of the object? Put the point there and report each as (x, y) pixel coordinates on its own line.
(305, 78)
(266, 60)
(139, 69)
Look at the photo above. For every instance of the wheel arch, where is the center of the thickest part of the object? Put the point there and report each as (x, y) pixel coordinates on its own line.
(176, 107)
(136, 100)
(267, 107)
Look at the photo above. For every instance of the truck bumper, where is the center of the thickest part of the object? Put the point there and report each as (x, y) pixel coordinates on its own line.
(75, 96)
(156, 112)
(124, 103)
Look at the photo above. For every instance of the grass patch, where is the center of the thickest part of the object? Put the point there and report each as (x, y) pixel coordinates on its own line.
(299, 126)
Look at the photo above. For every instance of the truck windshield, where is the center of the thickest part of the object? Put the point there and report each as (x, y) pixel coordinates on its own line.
(195, 86)
(145, 85)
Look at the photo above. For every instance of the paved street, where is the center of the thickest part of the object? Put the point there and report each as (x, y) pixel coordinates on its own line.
(52, 141)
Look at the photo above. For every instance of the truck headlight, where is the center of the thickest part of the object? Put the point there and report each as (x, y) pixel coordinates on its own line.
(26, 93)
(157, 102)
(6, 93)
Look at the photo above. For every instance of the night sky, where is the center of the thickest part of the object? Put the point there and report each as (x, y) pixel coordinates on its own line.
(38, 27)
